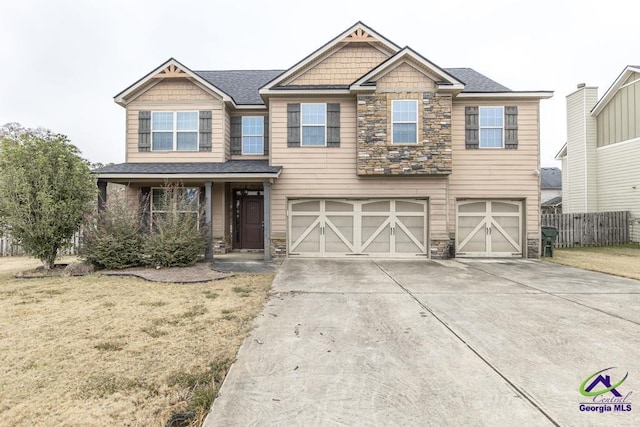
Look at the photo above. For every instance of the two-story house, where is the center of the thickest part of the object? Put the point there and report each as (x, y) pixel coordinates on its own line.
(363, 148)
(600, 159)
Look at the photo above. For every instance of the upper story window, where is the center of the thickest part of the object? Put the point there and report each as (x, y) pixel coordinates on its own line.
(252, 135)
(314, 124)
(404, 118)
(174, 131)
(491, 127)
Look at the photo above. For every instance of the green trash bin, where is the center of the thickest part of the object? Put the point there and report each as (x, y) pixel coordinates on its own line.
(548, 237)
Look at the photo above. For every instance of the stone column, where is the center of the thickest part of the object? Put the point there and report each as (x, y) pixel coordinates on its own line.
(267, 220)
(208, 255)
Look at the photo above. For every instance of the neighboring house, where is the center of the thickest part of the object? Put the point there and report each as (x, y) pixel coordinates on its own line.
(600, 159)
(363, 148)
(551, 190)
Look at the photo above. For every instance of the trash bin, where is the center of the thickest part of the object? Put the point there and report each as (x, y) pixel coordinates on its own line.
(548, 237)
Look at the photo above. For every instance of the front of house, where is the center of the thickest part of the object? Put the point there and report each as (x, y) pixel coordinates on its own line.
(362, 149)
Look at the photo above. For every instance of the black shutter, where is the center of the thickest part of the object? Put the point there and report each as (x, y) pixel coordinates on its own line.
(333, 125)
(145, 205)
(511, 127)
(266, 135)
(205, 131)
(236, 135)
(471, 128)
(144, 131)
(293, 125)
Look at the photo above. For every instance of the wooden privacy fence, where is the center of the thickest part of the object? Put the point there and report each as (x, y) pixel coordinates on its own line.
(8, 247)
(589, 229)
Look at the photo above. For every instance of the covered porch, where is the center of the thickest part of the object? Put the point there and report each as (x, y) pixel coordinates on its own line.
(233, 198)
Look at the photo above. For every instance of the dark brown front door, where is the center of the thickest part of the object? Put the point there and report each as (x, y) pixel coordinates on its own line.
(252, 215)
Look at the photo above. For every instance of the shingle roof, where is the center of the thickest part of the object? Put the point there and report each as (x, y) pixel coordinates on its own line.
(550, 178)
(553, 202)
(230, 167)
(241, 85)
(476, 82)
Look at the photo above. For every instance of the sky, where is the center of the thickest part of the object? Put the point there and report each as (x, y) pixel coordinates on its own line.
(63, 61)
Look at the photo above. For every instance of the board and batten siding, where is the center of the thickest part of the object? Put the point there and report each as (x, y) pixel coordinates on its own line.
(619, 120)
(330, 172)
(619, 181)
(498, 173)
(580, 194)
(176, 95)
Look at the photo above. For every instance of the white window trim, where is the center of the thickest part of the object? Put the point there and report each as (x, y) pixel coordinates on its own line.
(243, 135)
(302, 125)
(480, 127)
(174, 209)
(175, 131)
(404, 122)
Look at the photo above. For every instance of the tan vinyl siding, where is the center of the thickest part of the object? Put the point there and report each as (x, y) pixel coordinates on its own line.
(619, 181)
(227, 135)
(404, 78)
(499, 173)
(342, 67)
(619, 120)
(176, 95)
(331, 172)
(219, 210)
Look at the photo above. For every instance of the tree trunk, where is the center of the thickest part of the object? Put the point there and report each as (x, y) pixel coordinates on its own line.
(48, 261)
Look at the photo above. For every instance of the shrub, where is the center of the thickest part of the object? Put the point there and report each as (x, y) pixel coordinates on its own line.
(177, 238)
(113, 237)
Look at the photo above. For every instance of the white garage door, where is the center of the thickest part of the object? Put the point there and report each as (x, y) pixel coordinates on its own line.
(489, 228)
(342, 227)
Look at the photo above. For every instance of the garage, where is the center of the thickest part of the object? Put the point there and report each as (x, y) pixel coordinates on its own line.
(489, 228)
(349, 227)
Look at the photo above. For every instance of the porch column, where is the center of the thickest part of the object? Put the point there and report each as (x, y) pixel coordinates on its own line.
(208, 254)
(102, 195)
(267, 220)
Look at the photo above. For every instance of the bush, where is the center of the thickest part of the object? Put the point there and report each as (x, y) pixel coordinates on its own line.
(113, 238)
(177, 239)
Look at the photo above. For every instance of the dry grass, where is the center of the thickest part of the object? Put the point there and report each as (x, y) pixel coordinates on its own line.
(100, 350)
(622, 260)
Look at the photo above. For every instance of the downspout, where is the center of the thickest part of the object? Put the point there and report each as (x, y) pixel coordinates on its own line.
(586, 167)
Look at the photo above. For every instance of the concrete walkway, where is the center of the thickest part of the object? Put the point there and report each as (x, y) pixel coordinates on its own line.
(362, 342)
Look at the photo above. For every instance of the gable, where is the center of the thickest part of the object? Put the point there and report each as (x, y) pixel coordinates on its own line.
(175, 90)
(406, 78)
(342, 67)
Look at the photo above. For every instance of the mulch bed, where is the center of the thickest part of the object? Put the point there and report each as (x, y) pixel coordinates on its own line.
(198, 273)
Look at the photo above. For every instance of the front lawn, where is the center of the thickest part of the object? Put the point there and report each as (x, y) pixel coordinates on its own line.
(98, 350)
(621, 260)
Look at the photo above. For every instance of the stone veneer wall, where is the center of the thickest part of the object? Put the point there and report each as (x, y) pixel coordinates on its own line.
(441, 249)
(430, 156)
(533, 248)
(278, 248)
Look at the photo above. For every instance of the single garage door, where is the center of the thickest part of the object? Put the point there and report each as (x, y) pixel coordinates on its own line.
(344, 227)
(489, 228)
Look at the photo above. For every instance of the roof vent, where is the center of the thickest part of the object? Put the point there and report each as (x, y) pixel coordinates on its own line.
(581, 85)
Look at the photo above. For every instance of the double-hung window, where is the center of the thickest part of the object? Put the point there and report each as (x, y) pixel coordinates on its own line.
(491, 127)
(314, 124)
(174, 131)
(252, 135)
(404, 117)
(182, 202)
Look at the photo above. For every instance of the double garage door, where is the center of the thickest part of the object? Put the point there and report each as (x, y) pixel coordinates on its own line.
(346, 227)
(489, 228)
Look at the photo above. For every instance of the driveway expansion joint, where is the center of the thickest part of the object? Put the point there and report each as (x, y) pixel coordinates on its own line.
(516, 388)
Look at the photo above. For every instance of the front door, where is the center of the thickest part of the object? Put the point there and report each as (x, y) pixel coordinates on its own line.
(251, 222)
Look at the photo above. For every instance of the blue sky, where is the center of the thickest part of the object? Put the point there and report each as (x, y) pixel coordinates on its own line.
(63, 61)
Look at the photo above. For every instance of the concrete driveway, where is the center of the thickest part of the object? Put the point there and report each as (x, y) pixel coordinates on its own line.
(487, 342)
